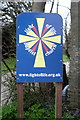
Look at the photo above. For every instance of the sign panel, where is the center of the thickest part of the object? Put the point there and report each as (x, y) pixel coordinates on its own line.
(39, 47)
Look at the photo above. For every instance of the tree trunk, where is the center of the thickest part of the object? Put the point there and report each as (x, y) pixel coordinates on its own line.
(38, 6)
(75, 55)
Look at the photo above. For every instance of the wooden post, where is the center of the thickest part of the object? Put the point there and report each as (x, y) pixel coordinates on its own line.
(20, 101)
(58, 101)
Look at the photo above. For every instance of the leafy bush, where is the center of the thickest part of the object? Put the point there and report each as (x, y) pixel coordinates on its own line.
(9, 112)
(37, 111)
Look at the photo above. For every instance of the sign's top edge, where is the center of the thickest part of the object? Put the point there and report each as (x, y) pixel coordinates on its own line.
(39, 13)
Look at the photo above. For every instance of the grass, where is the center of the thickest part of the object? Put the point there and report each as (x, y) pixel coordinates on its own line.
(10, 62)
(65, 58)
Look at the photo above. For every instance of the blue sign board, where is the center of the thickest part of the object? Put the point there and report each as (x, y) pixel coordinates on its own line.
(39, 47)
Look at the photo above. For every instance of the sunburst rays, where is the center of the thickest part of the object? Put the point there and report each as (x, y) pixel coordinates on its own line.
(38, 40)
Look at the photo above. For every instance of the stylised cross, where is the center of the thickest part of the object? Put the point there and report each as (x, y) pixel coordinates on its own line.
(38, 39)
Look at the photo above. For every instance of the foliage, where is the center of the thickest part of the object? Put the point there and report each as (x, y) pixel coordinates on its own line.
(0, 112)
(35, 109)
(10, 11)
(8, 40)
(9, 112)
(11, 62)
(65, 58)
(70, 113)
(38, 111)
(35, 112)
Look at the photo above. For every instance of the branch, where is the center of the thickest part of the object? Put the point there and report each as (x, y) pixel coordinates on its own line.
(52, 6)
(57, 5)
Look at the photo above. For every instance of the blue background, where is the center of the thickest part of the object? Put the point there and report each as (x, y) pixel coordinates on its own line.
(26, 60)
